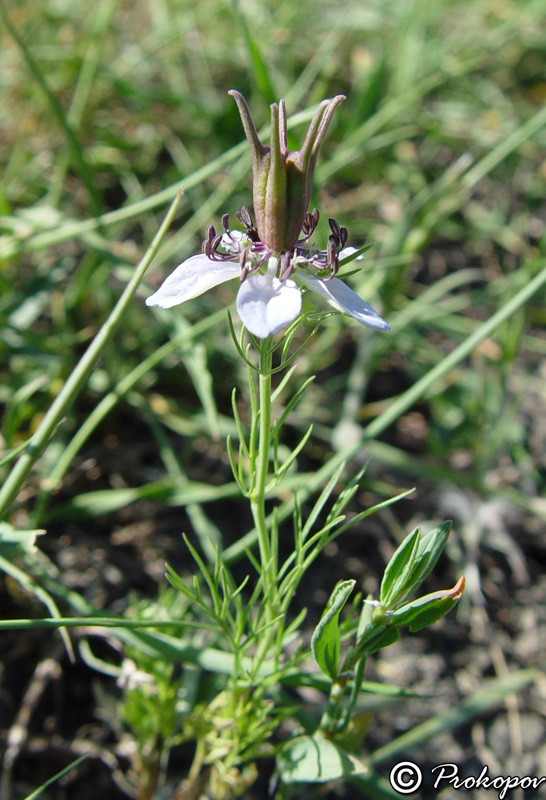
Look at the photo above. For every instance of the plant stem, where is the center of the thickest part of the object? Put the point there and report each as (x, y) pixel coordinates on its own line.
(80, 374)
(267, 556)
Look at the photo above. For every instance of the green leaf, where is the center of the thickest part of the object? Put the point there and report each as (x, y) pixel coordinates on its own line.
(427, 609)
(37, 792)
(31, 585)
(431, 615)
(398, 571)
(326, 640)
(313, 759)
(430, 548)
(105, 501)
(365, 619)
(374, 635)
(15, 543)
(377, 639)
(353, 256)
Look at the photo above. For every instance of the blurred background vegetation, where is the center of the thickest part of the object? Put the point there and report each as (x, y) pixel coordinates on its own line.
(437, 157)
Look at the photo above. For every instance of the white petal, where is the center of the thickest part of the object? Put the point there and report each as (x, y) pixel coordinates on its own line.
(192, 278)
(266, 304)
(344, 299)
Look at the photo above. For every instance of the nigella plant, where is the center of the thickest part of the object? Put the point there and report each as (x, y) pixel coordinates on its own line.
(250, 644)
(273, 256)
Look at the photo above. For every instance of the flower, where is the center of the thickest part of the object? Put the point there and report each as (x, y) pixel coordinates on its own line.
(269, 255)
(268, 298)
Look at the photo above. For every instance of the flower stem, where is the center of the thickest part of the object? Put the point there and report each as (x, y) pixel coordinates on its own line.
(267, 556)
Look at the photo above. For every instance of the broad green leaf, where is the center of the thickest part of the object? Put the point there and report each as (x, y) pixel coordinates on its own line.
(431, 615)
(313, 759)
(326, 640)
(430, 549)
(417, 614)
(365, 619)
(427, 609)
(377, 639)
(399, 569)
(352, 737)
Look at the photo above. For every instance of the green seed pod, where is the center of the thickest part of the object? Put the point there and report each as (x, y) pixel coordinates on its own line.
(282, 180)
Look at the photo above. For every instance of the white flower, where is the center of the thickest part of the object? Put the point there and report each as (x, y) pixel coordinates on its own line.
(265, 304)
(130, 677)
(268, 298)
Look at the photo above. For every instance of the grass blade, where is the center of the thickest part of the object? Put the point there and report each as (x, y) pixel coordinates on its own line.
(37, 792)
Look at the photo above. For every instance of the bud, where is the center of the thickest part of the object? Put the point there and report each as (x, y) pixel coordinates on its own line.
(282, 180)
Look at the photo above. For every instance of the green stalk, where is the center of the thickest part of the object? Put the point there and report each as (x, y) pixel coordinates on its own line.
(261, 461)
(80, 374)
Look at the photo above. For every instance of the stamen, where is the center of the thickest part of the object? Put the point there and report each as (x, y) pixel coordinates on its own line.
(331, 249)
(334, 227)
(249, 268)
(340, 234)
(336, 242)
(213, 241)
(286, 268)
(245, 270)
(329, 259)
(310, 222)
(207, 244)
(245, 219)
(216, 242)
